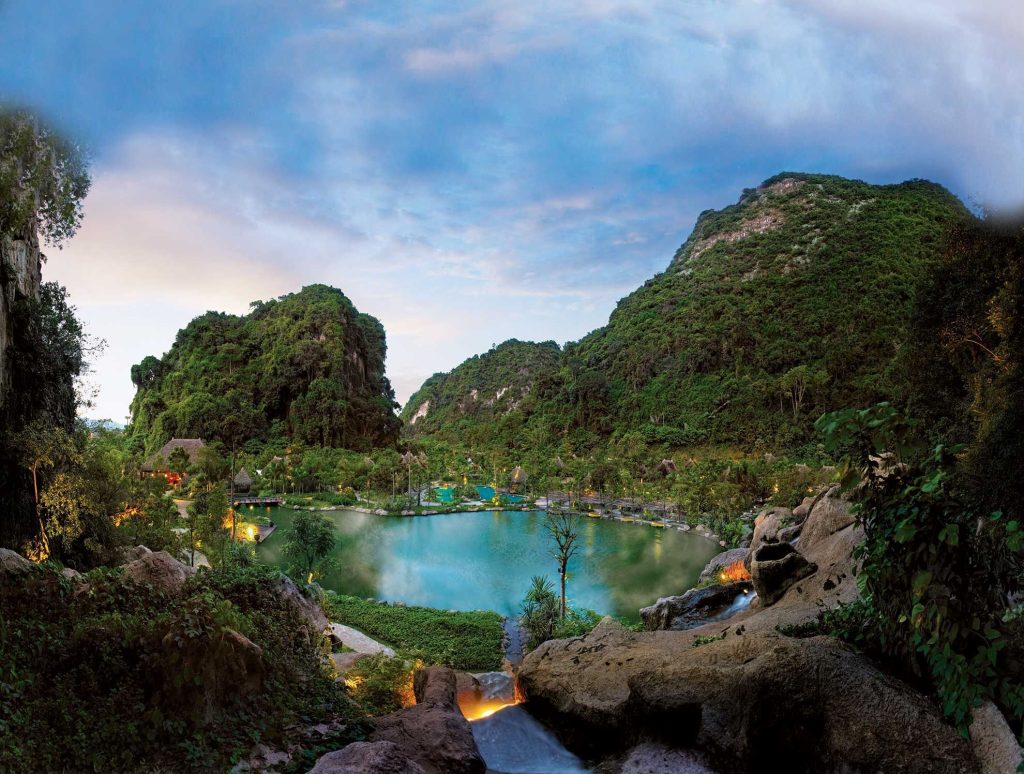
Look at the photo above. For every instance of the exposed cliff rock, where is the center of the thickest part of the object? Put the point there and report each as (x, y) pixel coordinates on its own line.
(20, 278)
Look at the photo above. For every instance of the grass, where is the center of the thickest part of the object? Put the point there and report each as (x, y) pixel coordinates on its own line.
(470, 641)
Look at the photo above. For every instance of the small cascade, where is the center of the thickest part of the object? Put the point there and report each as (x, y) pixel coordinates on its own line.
(739, 604)
(512, 741)
(515, 640)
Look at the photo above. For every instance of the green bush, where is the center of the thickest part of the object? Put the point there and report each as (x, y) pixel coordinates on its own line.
(934, 572)
(88, 681)
(383, 684)
(470, 641)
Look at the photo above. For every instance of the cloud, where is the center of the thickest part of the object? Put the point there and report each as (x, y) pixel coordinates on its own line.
(470, 172)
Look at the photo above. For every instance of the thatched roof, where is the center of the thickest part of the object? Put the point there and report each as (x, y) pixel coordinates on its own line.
(667, 466)
(242, 478)
(518, 475)
(160, 460)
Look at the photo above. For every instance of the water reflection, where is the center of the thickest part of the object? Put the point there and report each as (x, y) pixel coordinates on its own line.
(485, 560)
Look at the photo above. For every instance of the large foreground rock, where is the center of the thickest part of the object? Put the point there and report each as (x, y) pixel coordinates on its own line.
(774, 568)
(829, 515)
(159, 569)
(752, 702)
(13, 565)
(433, 733)
(694, 608)
(367, 758)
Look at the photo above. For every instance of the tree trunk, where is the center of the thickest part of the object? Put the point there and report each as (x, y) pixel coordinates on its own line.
(561, 606)
(39, 516)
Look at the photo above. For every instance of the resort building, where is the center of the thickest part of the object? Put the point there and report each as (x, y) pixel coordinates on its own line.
(160, 463)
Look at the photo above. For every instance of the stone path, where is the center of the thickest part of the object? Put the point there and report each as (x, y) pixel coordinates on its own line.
(358, 641)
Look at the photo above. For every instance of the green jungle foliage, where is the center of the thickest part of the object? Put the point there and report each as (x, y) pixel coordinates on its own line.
(541, 615)
(794, 301)
(383, 684)
(469, 641)
(305, 368)
(937, 570)
(43, 179)
(104, 679)
(470, 401)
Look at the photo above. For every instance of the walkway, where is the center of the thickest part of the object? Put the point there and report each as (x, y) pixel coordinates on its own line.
(359, 642)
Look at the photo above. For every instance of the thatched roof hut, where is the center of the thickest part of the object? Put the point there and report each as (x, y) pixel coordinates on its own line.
(242, 481)
(159, 461)
(518, 476)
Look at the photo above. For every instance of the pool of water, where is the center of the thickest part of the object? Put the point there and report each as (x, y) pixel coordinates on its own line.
(485, 560)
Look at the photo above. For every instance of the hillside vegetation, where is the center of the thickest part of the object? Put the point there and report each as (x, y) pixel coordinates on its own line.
(481, 391)
(792, 302)
(306, 367)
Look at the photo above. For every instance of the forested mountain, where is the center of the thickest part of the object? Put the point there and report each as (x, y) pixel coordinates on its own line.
(306, 367)
(793, 301)
(481, 391)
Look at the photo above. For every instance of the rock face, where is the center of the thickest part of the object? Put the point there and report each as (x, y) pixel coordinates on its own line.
(721, 561)
(159, 569)
(20, 278)
(994, 742)
(830, 515)
(433, 733)
(694, 608)
(306, 607)
(751, 702)
(774, 568)
(13, 565)
(366, 758)
(229, 668)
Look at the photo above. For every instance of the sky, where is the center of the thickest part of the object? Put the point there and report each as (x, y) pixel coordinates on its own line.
(473, 172)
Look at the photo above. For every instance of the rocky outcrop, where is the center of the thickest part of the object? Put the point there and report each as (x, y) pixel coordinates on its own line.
(20, 278)
(432, 733)
(307, 608)
(751, 701)
(13, 565)
(774, 568)
(367, 758)
(995, 744)
(721, 561)
(159, 569)
(225, 668)
(694, 608)
(828, 516)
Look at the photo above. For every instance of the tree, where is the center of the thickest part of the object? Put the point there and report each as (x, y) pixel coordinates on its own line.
(540, 611)
(564, 528)
(177, 461)
(42, 446)
(206, 522)
(43, 176)
(310, 540)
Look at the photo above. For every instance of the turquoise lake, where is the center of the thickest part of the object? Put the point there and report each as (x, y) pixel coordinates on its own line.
(485, 560)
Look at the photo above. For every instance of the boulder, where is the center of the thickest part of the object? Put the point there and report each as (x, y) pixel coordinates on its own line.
(131, 554)
(774, 568)
(653, 758)
(160, 570)
(13, 565)
(433, 732)
(366, 758)
(801, 511)
(748, 702)
(995, 745)
(720, 561)
(790, 533)
(830, 515)
(766, 528)
(228, 668)
(71, 574)
(343, 662)
(307, 607)
(694, 608)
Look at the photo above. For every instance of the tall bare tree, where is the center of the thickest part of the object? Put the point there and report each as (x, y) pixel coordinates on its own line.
(564, 528)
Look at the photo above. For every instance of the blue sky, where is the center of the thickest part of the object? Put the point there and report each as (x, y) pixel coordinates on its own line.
(471, 172)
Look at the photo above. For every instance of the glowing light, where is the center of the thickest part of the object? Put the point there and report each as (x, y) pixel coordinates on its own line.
(484, 709)
(734, 572)
(251, 532)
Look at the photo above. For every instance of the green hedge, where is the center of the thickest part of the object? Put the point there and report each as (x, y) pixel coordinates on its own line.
(468, 641)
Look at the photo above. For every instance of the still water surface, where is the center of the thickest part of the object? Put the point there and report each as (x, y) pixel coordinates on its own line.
(485, 560)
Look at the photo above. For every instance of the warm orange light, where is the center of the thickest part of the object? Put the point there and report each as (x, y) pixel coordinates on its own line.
(484, 709)
(734, 572)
